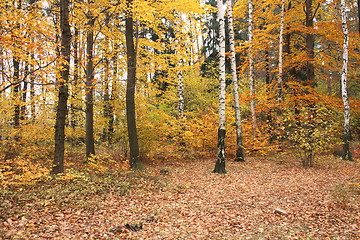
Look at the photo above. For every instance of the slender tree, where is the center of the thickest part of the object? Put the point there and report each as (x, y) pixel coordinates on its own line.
(281, 43)
(16, 77)
(74, 107)
(111, 121)
(180, 93)
(251, 67)
(358, 5)
(310, 42)
(135, 162)
(239, 138)
(90, 143)
(345, 58)
(220, 162)
(16, 90)
(61, 111)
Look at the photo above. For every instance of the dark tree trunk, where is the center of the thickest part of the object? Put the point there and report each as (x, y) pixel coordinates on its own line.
(309, 38)
(16, 90)
(106, 87)
(106, 102)
(24, 97)
(220, 162)
(287, 49)
(90, 143)
(130, 90)
(61, 111)
(32, 97)
(267, 68)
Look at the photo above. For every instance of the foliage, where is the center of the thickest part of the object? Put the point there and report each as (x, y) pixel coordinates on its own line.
(314, 126)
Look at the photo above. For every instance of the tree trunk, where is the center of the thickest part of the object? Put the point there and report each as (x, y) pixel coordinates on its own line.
(280, 66)
(251, 69)
(16, 90)
(329, 81)
(23, 100)
(74, 87)
(61, 111)
(180, 93)
(309, 38)
(220, 162)
(239, 138)
(344, 93)
(32, 96)
(90, 143)
(135, 162)
(16, 79)
(113, 95)
(358, 5)
(106, 100)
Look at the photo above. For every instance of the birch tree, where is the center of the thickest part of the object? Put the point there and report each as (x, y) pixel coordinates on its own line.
(180, 94)
(239, 138)
(252, 66)
(344, 93)
(281, 40)
(220, 162)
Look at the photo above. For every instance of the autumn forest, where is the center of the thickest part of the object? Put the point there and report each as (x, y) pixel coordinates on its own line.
(180, 119)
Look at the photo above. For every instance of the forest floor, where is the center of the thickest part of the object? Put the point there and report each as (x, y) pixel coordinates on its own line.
(262, 198)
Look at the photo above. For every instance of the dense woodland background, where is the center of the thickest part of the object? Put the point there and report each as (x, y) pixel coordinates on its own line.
(176, 56)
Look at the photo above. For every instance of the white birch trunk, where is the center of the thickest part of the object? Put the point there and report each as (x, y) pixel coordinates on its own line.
(220, 163)
(281, 40)
(344, 94)
(180, 93)
(239, 139)
(251, 67)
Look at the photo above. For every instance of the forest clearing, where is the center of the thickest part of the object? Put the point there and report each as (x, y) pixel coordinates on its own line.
(263, 198)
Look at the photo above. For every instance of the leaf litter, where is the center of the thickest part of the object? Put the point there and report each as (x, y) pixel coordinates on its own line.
(254, 200)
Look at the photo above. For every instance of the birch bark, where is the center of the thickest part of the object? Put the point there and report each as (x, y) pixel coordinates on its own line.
(344, 94)
(180, 93)
(239, 138)
(251, 67)
(281, 40)
(220, 162)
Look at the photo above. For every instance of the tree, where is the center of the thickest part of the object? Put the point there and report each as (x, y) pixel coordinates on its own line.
(220, 162)
(135, 162)
(180, 94)
(280, 66)
(239, 138)
(251, 67)
(358, 5)
(90, 143)
(344, 94)
(61, 111)
(310, 42)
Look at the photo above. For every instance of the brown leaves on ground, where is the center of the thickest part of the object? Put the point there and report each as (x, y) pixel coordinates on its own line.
(191, 202)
